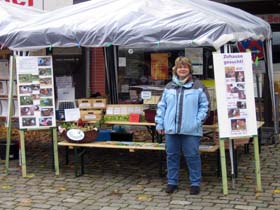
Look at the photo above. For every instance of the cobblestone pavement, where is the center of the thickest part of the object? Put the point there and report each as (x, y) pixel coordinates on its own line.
(116, 180)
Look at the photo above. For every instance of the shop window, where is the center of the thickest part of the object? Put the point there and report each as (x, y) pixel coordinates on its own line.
(152, 67)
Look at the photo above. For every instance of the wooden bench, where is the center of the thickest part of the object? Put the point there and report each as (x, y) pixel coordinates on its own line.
(80, 149)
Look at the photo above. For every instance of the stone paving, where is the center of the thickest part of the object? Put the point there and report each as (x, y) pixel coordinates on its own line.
(118, 180)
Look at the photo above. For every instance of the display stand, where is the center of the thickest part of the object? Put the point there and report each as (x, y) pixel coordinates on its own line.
(257, 164)
(236, 107)
(21, 132)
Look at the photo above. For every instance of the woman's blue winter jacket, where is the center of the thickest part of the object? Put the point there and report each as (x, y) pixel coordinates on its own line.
(182, 109)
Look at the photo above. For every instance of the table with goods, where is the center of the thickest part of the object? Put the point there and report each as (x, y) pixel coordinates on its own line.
(85, 133)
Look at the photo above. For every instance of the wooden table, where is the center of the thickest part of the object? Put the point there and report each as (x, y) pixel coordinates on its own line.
(80, 150)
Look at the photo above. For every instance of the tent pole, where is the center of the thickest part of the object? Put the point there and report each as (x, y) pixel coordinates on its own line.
(271, 83)
(108, 83)
(88, 91)
(116, 73)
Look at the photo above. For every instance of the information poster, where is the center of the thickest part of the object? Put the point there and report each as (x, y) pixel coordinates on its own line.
(235, 94)
(159, 66)
(35, 92)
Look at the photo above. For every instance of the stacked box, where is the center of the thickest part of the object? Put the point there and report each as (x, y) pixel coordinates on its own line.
(99, 103)
(91, 115)
(85, 103)
(91, 109)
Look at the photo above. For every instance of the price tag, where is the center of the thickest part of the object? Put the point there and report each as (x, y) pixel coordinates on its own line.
(146, 95)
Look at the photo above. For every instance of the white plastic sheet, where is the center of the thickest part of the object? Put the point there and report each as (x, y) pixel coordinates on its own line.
(14, 16)
(144, 23)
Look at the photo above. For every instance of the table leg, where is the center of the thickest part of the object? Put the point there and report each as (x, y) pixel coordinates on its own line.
(152, 131)
(79, 160)
(66, 155)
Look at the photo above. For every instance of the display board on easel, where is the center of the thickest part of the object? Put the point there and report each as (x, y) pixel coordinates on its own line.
(235, 95)
(35, 92)
(236, 107)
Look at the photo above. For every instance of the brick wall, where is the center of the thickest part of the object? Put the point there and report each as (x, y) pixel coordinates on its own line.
(98, 77)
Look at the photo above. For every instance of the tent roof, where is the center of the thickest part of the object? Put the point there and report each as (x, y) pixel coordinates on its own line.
(144, 23)
(13, 16)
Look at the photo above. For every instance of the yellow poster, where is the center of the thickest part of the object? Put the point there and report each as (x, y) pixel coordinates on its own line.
(159, 66)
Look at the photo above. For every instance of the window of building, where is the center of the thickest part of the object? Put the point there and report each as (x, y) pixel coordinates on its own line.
(153, 67)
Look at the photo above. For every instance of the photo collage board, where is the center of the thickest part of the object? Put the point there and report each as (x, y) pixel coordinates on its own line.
(35, 91)
(235, 94)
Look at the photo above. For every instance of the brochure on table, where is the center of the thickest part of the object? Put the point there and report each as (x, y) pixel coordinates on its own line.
(35, 91)
(235, 94)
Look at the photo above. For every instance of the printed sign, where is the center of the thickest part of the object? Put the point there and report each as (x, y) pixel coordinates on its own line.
(235, 94)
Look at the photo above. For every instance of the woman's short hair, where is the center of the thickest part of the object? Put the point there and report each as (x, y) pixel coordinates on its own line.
(182, 61)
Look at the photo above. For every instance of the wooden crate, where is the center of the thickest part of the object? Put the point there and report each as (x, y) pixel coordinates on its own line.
(85, 103)
(99, 103)
(152, 100)
(91, 115)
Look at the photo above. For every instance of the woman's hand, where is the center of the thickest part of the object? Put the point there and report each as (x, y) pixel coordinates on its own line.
(161, 132)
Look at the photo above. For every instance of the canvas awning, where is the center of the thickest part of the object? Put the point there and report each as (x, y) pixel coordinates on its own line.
(145, 23)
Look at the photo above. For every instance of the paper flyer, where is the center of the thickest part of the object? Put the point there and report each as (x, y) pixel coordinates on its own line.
(36, 105)
(235, 95)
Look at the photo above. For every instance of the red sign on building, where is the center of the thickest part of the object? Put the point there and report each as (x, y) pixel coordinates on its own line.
(29, 3)
(271, 18)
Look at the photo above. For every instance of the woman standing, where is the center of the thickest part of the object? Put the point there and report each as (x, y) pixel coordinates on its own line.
(180, 114)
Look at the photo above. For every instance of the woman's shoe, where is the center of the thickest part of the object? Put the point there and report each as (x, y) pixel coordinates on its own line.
(171, 189)
(195, 190)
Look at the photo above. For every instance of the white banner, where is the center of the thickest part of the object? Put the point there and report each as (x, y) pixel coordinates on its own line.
(235, 94)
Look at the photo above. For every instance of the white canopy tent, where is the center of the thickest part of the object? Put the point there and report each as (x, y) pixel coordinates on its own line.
(145, 23)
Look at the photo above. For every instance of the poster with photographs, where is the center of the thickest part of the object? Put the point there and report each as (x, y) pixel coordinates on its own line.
(235, 94)
(35, 85)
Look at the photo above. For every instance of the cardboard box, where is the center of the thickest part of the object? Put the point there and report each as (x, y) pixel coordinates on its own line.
(104, 135)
